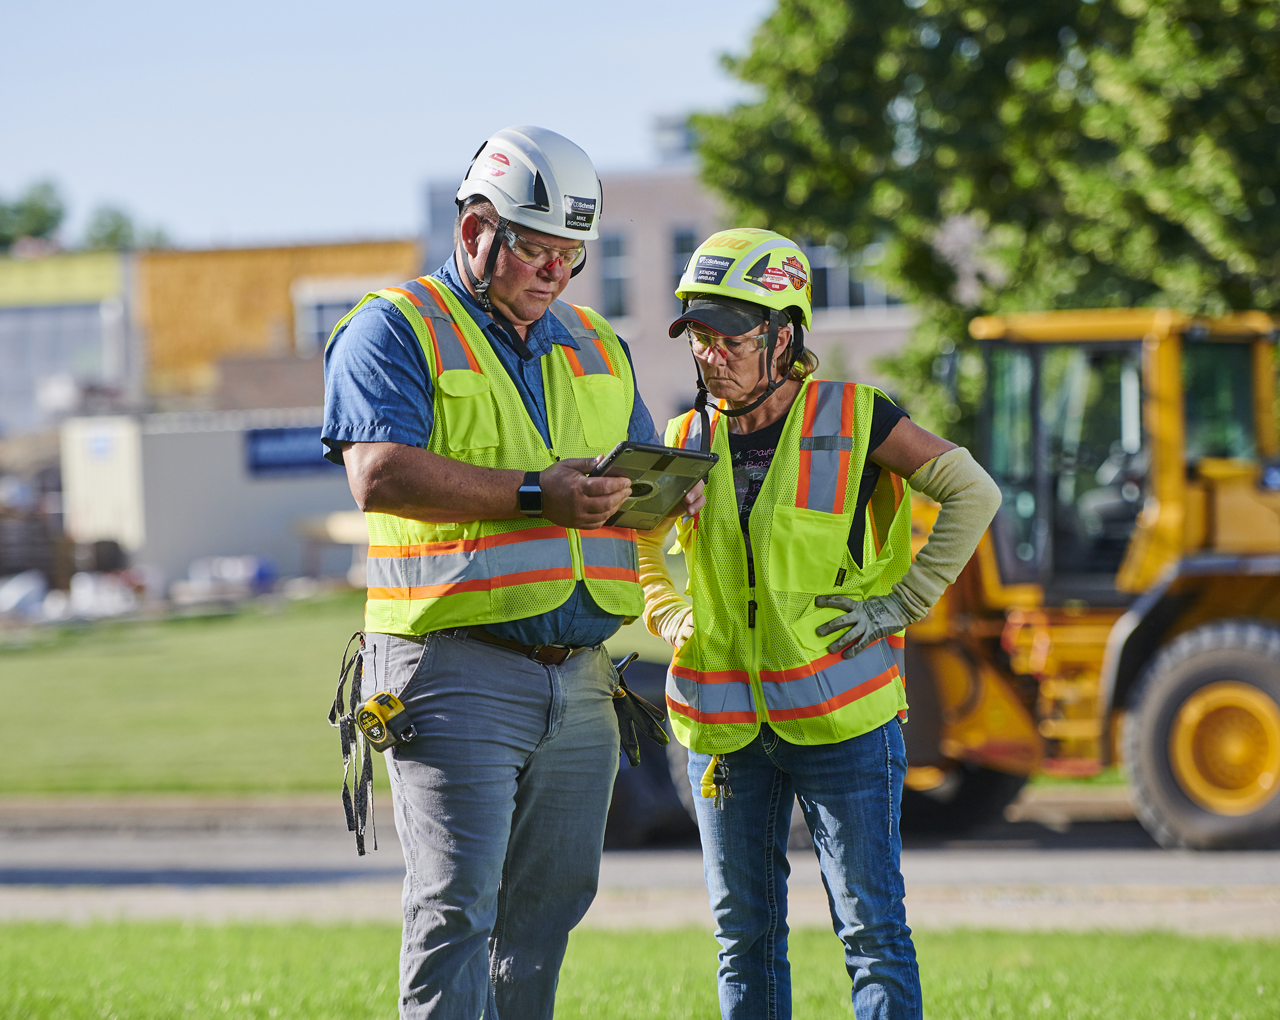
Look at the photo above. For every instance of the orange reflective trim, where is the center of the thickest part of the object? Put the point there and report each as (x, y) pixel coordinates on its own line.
(682, 436)
(605, 354)
(444, 307)
(848, 697)
(427, 591)
(847, 403)
(810, 412)
(407, 293)
(709, 717)
(583, 318)
(781, 676)
(720, 676)
(572, 357)
(436, 591)
(626, 534)
(404, 552)
(610, 573)
(532, 577)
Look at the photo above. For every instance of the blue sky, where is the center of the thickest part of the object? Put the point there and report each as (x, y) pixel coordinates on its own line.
(268, 122)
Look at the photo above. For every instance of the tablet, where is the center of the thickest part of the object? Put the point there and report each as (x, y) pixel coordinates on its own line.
(660, 477)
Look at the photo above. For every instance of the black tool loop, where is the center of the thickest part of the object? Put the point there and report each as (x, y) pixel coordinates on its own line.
(357, 807)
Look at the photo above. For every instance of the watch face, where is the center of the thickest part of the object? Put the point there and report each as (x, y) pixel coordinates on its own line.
(530, 496)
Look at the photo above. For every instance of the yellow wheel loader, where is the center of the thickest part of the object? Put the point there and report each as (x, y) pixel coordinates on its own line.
(1124, 606)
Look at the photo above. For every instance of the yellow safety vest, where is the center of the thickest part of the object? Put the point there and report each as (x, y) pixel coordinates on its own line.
(754, 655)
(424, 577)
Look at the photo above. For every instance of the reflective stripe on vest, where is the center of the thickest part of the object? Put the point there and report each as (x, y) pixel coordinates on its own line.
(825, 445)
(435, 569)
(826, 683)
(608, 554)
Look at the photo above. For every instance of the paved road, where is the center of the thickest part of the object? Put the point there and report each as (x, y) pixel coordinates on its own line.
(295, 860)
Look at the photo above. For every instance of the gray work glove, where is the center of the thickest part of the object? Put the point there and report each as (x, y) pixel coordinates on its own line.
(866, 622)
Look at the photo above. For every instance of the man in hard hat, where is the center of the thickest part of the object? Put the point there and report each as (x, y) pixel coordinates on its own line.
(468, 408)
(787, 676)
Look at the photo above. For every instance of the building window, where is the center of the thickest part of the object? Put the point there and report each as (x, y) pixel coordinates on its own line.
(319, 304)
(840, 282)
(613, 274)
(316, 322)
(683, 244)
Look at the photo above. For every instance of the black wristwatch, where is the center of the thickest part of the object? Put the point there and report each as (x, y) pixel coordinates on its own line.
(531, 495)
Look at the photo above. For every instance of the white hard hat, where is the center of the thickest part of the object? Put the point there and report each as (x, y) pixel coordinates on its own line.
(538, 179)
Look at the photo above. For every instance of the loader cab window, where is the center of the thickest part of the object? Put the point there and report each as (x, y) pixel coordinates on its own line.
(1065, 444)
(1019, 536)
(1217, 383)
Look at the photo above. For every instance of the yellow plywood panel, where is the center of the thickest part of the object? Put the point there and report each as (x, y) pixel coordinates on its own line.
(72, 279)
(198, 307)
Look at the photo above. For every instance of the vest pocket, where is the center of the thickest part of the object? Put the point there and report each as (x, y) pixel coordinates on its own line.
(806, 549)
(602, 409)
(471, 420)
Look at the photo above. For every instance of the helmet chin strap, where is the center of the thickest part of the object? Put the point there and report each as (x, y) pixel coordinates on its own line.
(481, 287)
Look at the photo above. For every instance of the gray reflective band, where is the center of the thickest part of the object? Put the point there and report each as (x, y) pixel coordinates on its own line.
(452, 352)
(826, 443)
(530, 555)
(825, 446)
(710, 699)
(569, 319)
(874, 661)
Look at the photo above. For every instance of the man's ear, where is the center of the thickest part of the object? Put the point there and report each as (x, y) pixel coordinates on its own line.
(470, 233)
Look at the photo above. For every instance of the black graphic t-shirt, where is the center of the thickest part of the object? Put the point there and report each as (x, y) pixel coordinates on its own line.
(752, 453)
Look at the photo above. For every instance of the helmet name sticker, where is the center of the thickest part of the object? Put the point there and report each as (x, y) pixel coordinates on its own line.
(579, 213)
(498, 163)
(711, 269)
(794, 269)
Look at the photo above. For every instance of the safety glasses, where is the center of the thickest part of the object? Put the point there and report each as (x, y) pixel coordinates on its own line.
(731, 348)
(537, 255)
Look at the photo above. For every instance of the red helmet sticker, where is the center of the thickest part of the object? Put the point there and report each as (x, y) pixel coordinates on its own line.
(496, 164)
(774, 279)
(794, 269)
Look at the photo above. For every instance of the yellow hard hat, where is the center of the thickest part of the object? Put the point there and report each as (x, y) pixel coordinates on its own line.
(749, 266)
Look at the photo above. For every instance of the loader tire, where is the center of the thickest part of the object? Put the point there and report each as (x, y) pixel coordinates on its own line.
(1202, 742)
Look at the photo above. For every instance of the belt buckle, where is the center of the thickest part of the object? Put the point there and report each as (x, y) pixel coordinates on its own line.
(550, 655)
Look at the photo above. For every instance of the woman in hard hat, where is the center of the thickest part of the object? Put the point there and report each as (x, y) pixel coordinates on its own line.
(787, 678)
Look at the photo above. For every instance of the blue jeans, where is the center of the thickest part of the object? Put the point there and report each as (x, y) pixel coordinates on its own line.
(500, 804)
(851, 795)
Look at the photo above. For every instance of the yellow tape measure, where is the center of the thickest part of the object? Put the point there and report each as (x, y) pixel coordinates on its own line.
(384, 722)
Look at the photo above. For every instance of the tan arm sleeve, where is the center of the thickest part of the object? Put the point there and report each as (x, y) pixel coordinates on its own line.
(969, 501)
(666, 614)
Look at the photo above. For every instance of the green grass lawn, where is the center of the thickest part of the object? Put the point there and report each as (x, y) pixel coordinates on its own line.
(143, 971)
(222, 704)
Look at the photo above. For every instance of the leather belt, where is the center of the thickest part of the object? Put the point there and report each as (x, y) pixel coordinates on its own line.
(548, 655)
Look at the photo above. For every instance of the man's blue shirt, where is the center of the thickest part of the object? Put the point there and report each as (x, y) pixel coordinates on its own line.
(378, 389)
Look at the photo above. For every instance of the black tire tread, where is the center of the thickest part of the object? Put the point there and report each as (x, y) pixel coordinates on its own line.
(1226, 635)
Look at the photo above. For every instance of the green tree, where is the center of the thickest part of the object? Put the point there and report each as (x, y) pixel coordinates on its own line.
(111, 227)
(1052, 154)
(37, 213)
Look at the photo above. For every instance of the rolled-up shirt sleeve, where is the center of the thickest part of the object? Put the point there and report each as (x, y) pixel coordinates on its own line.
(377, 387)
